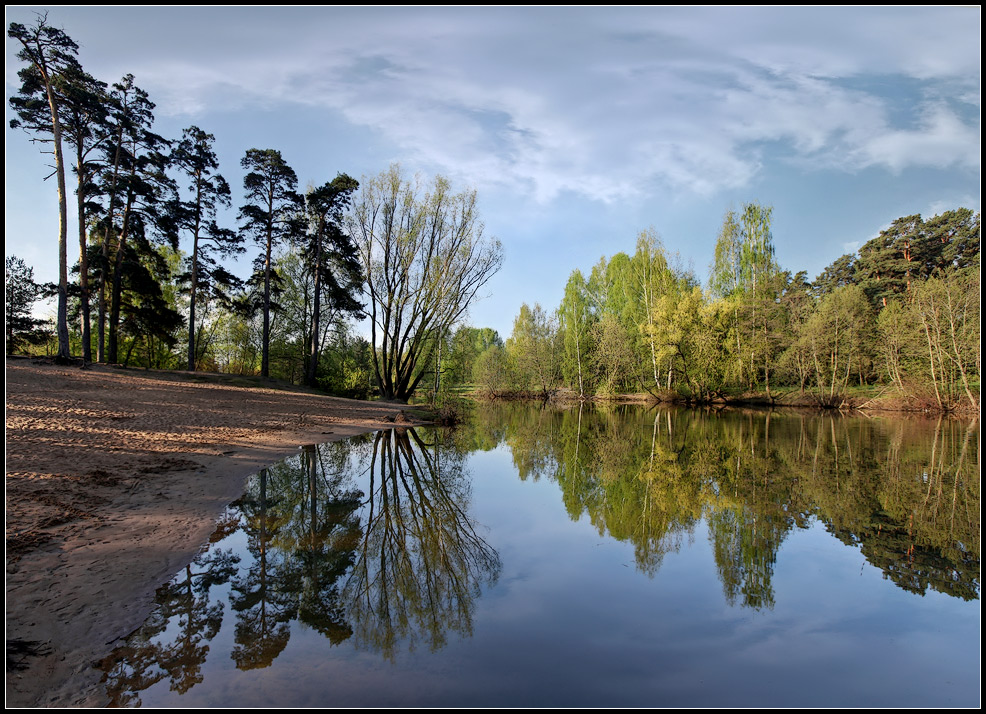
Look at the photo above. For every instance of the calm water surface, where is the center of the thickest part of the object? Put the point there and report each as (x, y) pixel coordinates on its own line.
(622, 557)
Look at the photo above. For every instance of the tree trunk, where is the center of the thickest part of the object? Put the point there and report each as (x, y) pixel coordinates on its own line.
(195, 272)
(83, 264)
(56, 128)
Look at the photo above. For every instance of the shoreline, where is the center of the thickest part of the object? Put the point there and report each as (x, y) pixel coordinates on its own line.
(114, 480)
(895, 404)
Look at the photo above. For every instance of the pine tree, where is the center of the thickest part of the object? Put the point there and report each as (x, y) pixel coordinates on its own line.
(195, 158)
(50, 55)
(271, 216)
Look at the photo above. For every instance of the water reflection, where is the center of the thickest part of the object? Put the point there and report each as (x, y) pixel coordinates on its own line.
(906, 492)
(392, 567)
(420, 563)
(369, 542)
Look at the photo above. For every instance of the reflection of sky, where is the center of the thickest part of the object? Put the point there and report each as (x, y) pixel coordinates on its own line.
(572, 621)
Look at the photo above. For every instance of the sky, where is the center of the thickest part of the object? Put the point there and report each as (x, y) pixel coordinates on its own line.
(578, 127)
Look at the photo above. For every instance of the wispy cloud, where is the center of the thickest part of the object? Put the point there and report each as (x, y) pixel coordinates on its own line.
(598, 102)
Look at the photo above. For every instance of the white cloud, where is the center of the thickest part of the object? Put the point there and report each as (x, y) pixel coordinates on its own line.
(597, 101)
(941, 139)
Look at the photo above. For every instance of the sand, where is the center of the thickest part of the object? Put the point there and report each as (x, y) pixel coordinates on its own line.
(114, 480)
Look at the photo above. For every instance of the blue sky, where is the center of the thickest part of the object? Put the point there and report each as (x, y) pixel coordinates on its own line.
(578, 127)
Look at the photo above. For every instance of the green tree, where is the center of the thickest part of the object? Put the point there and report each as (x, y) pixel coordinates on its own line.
(652, 279)
(50, 55)
(271, 217)
(148, 314)
(839, 334)
(195, 158)
(620, 348)
(128, 111)
(899, 341)
(576, 318)
(465, 347)
(140, 199)
(532, 347)
(82, 106)
(87, 130)
(333, 261)
(426, 259)
(798, 305)
(724, 275)
(840, 273)
(615, 354)
(948, 309)
(760, 288)
(492, 371)
(20, 294)
(885, 265)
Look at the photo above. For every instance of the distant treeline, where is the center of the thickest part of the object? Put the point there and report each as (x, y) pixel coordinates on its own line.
(902, 312)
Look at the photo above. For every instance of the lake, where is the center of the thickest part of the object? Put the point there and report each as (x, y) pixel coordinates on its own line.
(617, 556)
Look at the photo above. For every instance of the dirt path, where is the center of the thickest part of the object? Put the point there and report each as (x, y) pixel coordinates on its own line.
(114, 479)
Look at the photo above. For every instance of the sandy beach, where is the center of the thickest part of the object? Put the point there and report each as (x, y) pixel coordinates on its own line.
(114, 480)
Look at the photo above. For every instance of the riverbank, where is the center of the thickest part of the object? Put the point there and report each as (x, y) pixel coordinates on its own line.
(113, 481)
(873, 399)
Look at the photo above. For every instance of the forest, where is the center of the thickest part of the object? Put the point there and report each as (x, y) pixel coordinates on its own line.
(149, 283)
(899, 318)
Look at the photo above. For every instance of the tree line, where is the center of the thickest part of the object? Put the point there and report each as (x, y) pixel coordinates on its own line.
(901, 313)
(409, 256)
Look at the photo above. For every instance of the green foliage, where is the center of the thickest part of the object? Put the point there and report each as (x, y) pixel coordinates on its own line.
(576, 321)
(332, 260)
(615, 354)
(724, 277)
(49, 56)
(839, 335)
(271, 217)
(912, 250)
(948, 310)
(899, 342)
(426, 258)
(840, 273)
(196, 160)
(346, 366)
(20, 294)
(533, 349)
(492, 372)
(462, 352)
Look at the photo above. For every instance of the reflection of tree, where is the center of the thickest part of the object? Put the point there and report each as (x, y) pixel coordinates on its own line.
(921, 501)
(323, 535)
(745, 555)
(401, 565)
(263, 605)
(302, 522)
(905, 492)
(184, 602)
(421, 563)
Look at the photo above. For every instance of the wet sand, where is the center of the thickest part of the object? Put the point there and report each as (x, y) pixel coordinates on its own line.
(114, 480)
